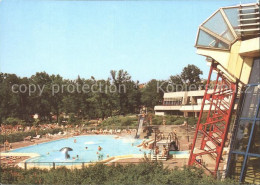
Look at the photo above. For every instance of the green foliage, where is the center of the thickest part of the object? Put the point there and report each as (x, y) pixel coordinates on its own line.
(19, 136)
(191, 76)
(173, 120)
(119, 121)
(14, 121)
(51, 96)
(72, 118)
(144, 173)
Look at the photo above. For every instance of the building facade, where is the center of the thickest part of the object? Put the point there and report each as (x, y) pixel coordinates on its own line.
(184, 103)
(244, 156)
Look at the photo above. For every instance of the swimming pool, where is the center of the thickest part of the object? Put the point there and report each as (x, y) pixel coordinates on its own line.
(50, 151)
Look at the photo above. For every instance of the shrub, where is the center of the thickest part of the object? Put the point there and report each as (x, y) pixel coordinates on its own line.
(13, 121)
(19, 136)
(119, 121)
(143, 173)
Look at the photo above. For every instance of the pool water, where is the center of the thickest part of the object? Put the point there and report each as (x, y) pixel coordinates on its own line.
(49, 152)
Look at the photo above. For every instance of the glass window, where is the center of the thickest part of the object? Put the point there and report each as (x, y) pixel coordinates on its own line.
(255, 73)
(252, 170)
(255, 143)
(232, 15)
(252, 95)
(206, 40)
(218, 25)
(236, 162)
(242, 136)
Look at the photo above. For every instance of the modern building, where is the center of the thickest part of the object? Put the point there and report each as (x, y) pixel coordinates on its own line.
(244, 156)
(183, 103)
(229, 39)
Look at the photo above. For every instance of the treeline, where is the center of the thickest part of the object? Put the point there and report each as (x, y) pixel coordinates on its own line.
(144, 173)
(48, 95)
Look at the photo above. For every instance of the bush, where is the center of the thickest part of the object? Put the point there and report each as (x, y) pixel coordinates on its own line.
(13, 121)
(144, 173)
(19, 136)
(119, 121)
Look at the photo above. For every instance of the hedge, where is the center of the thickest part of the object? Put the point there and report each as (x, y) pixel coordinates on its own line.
(144, 173)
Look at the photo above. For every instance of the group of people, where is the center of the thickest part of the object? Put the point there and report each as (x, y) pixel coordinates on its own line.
(150, 144)
(164, 151)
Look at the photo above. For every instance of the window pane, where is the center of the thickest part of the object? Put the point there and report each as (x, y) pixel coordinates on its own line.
(235, 167)
(255, 143)
(252, 173)
(242, 136)
(252, 95)
(232, 15)
(255, 73)
(204, 39)
(217, 25)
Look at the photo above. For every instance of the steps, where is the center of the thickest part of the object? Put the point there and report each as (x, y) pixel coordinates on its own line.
(158, 158)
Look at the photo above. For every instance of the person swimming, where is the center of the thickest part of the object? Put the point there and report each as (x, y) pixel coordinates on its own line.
(100, 153)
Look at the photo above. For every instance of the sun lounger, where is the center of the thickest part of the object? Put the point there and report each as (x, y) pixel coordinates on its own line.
(28, 138)
(37, 137)
(118, 131)
(105, 131)
(110, 131)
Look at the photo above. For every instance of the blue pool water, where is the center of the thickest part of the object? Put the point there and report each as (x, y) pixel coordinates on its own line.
(49, 152)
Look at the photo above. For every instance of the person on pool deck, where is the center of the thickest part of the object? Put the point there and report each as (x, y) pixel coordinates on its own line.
(157, 151)
(6, 144)
(164, 152)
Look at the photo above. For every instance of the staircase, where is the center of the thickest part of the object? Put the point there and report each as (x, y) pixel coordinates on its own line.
(159, 157)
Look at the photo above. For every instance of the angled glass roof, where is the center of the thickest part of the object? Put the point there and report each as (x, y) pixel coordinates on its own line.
(227, 25)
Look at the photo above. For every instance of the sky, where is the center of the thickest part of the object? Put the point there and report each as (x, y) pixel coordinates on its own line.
(149, 39)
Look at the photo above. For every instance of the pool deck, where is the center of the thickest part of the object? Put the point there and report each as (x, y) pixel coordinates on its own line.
(132, 158)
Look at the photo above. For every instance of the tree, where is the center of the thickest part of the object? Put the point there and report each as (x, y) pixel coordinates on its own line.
(56, 98)
(42, 99)
(9, 101)
(151, 95)
(177, 83)
(191, 76)
(119, 79)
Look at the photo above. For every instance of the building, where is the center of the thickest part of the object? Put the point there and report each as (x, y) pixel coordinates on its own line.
(229, 39)
(244, 156)
(184, 103)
